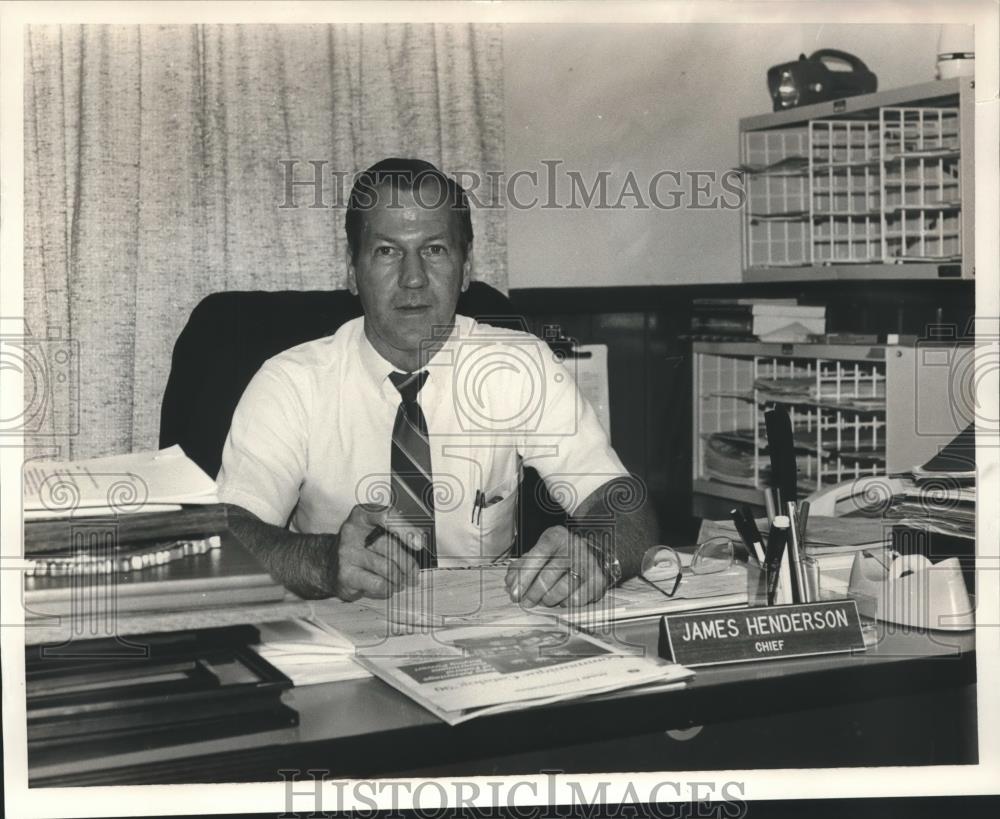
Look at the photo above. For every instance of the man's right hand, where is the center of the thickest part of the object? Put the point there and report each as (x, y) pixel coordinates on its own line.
(381, 568)
(315, 566)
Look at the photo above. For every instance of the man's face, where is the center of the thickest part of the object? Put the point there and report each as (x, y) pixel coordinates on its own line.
(410, 267)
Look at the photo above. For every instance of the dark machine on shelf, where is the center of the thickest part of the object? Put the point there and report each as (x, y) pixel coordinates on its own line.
(812, 79)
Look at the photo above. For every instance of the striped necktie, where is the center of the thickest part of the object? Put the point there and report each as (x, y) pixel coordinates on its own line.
(412, 486)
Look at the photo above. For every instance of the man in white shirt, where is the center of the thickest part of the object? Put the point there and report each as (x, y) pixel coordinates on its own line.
(396, 443)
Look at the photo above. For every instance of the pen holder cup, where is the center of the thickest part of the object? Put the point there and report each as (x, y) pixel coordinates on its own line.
(757, 585)
(810, 574)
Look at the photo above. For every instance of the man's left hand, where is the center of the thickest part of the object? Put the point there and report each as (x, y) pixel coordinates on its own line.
(560, 569)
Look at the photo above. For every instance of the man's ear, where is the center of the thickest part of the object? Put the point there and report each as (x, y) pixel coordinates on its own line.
(467, 270)
(352, 280)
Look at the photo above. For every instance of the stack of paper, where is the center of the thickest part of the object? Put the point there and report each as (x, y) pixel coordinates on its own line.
(867, 395)
(941, 497)
(770, 320)
(730, 457)
(119, 484)
(940, 507)
(731, 460)
(308, 654)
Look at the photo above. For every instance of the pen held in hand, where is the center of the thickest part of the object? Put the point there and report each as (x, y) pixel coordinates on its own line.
(374, 535)
(506, 553)
(378, 531)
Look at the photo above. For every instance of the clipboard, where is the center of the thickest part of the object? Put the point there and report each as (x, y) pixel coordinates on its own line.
(589, 365)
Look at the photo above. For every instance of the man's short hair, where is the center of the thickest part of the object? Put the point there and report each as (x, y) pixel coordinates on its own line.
(403, 174)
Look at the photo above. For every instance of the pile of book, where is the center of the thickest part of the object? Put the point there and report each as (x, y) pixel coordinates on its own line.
(142, 532)
(132, 553)
(771, 320)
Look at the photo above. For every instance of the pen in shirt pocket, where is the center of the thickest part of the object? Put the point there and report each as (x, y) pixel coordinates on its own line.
(480, 503)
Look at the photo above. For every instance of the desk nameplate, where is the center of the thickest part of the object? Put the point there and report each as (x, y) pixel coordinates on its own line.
(765, 633)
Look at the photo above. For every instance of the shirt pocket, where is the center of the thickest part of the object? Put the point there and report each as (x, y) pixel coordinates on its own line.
(497, 521)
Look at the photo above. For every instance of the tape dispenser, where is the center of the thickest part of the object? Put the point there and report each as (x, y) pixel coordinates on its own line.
(911, 591)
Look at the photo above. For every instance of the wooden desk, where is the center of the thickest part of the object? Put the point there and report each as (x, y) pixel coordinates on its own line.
(909, 700)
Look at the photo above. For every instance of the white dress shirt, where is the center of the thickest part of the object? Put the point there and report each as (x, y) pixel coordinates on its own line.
(311, 435)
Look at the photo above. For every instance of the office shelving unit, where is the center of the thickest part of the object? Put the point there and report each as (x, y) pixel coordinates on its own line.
(874, 186)
(851, 408)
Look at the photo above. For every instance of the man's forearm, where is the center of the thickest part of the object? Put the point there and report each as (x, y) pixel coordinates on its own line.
(619, 509)
(304, 564)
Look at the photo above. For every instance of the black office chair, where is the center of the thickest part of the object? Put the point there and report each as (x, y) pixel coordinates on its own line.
(230, 335)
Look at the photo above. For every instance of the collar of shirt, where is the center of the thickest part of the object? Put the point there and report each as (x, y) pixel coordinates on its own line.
(378, 369)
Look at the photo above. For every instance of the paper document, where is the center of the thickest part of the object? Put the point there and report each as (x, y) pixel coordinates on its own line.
(308, 654)
(120, 484)
(455, 597)
(444, 597)
(592, 379)
(636, 598)
(469, 671)
(97, 511)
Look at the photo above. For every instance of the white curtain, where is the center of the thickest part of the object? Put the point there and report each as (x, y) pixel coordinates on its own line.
(154, 176)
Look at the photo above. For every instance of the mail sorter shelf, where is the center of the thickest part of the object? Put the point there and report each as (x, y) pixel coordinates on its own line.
(853, 412)
(885, 187)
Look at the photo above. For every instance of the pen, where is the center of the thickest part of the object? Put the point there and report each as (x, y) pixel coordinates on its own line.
(505, 553)
(743, 522)
(378, 530)
(755, 536)
(775, 551)
(739, 523)
(477, 506)
(769, 504)
(803, 522)
(374, 535)
(781, 448)
(799, 592)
